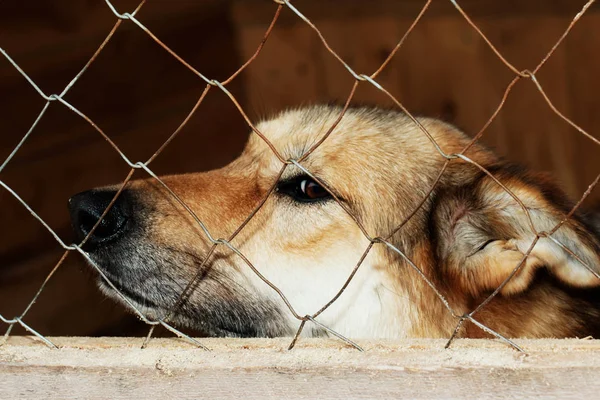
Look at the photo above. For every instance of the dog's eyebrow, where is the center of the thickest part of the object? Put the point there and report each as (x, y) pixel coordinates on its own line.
(292, 176)
(301, 174)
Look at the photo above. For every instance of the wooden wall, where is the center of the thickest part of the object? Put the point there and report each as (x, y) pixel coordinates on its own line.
(139, 94)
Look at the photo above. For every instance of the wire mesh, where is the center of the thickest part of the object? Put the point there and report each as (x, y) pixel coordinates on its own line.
(382, 239)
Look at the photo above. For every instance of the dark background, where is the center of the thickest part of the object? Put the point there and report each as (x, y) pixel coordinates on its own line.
(138, 94)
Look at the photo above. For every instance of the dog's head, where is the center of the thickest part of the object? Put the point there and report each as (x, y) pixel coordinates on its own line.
(306, 239)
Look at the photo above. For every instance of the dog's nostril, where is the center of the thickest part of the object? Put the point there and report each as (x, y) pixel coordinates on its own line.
(109, 225)
(86, 208)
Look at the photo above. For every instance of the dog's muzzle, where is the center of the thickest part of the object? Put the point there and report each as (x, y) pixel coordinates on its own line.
(86, 208)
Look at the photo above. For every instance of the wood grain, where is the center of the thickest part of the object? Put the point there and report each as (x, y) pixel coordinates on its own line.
(104, 368)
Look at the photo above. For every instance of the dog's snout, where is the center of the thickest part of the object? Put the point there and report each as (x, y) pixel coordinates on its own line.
(86, 208)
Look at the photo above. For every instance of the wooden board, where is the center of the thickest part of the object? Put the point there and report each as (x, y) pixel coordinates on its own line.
(257, 11)
(108, 368)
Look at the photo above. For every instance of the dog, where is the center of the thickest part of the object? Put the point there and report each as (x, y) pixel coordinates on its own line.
(372, 172)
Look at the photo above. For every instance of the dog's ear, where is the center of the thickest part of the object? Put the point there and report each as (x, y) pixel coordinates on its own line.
(483, 234)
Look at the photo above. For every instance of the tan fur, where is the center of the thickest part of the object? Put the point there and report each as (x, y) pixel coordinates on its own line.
(381, 165)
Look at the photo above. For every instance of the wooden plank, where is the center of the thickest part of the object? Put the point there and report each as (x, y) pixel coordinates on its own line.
(65, 32)
(441, 73)
(100, 368)
(583, 62)
(121, 90)
(283, 73)
(527, 131)
(258, 11)
(364, 45)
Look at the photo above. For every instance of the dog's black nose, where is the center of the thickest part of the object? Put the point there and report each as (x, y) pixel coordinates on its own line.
(86, 208)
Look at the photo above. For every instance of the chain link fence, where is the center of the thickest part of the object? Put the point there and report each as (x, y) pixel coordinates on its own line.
(379, 239)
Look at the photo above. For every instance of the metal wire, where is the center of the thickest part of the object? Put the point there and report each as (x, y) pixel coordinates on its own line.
(375, 239)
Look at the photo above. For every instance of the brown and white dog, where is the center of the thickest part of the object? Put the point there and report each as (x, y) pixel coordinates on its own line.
(467, 237)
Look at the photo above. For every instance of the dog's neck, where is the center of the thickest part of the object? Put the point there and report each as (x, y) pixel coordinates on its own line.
(377, 305)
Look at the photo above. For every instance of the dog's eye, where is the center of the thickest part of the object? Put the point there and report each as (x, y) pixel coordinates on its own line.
(304, 189)
(312, 190)
(481, 247)
(484, 245)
